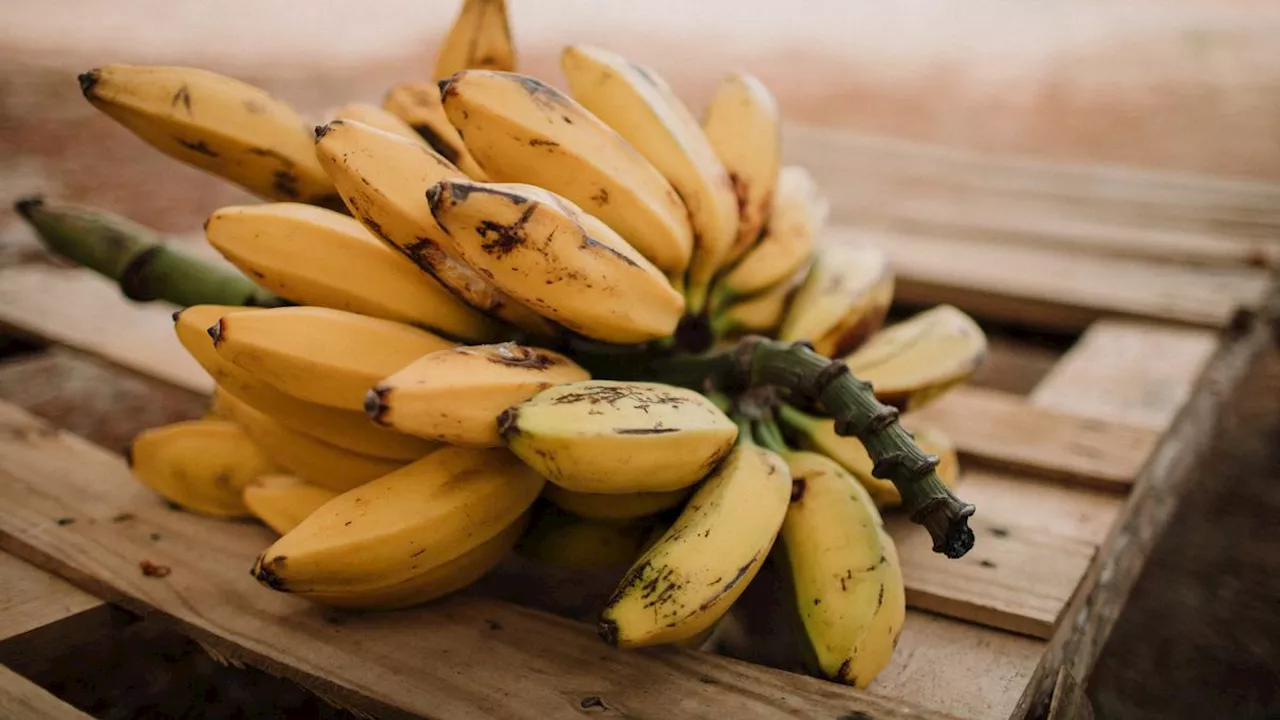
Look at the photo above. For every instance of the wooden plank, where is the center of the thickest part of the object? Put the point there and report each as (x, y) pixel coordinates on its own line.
(21, 699)
(78, 308)
(1059, 289)
(1003, 430)
(1098, 601)
(1130, 372)
(1068, 511)
(1012, 365)
(419, 661)
(1069, 701)
(31, 598)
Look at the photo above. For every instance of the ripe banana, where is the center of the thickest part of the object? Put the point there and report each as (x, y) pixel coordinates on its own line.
(216, 123)
(604, 436)
(819, 435)
(614, 507)
(346, 429)
(418, 104)
(456, 395)
(843, 300)
(315, 461)
(201, 465)
(540, 250)
(407, 537)
(376, 117)
(798, 213)
(743, 124)
(319, 257)
(761, 313)
(281, 502)
(325, 356)
(573, 543)
(480, 38)
(912, 363)
(383, 179)
(638, 104)
(523, 131)
(684, 583)
(844, 571)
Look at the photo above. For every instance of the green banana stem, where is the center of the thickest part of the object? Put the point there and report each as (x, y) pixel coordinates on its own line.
(769, 436)
(136, 258)
(809, 378)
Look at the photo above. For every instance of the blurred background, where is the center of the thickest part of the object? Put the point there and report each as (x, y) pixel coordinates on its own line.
(1190, 86)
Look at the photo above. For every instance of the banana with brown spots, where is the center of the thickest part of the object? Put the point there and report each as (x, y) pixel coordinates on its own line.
(418, 104)
(844, 299)
(479, 38)
(522, 130)
(617, 438)
(690, 577)
(218, 124)
(456, 395)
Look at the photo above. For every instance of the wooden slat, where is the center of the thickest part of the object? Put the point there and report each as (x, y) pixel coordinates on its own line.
(1005, 430)
(1069, 701)
(31, 598)
(421, 661)
(1059, 289)
(21, 699)
(77, 308)
(1087, 621)
(1013, 366)
(1126, 371)
(1061, 510)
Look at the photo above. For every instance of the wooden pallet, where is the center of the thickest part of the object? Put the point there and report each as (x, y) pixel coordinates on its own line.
(1074, 480)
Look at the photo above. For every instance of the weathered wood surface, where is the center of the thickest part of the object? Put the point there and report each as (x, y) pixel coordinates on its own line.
(31, 598)
(1069, 700)
(21, 699)
(1003, 430)
(1100, 597)
(420, 661)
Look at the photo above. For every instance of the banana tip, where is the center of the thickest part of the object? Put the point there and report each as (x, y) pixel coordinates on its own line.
(88, 81)
(375, 405)
(322, 130)
(608, 631)
(264, 571)
(507, 422)
(28, 205)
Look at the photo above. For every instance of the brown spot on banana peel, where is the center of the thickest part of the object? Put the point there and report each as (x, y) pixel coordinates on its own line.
(322, 130)
(286, 183)
(542, 142)
(267, 572)
(733, 581)
(183, 97)
(375, 403)
(798, 486)
(521, 356)
(590, 243)
(217, 332)
(655, 430)
(198, 146)
(446, 150)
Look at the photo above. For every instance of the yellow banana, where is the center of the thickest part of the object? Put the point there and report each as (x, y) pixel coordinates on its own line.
(523, 131)
(604, 436)
(345, 428)
(638, 104)
(390, 542)
(573, 543)
(844, 571)
(761, 313)
(456, 395)
(418, 104)
(325, 356)
(819, 435)
(843, 300)
(283, 501)
(798, 214)
(377, 117)
(912, 363)
(548, 256)
(690, 577)
(745, 128)
(383, 179)
(319, 257)
(315, 461)
(201, 465)
(614, 507)
(480, 38)
(218, 124)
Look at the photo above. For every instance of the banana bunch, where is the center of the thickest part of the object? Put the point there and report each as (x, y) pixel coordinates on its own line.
(501, 295)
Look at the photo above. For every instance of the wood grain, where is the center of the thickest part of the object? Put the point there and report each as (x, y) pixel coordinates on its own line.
(31, 598)
(418, 662)
(1051, 288)
(1003, 430)
(1098, 601)
(1069, 700)
(21, 699)
(74, 307)
(1130, 372)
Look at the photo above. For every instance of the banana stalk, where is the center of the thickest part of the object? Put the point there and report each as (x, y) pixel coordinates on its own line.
(136, 258)
(809, 378)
